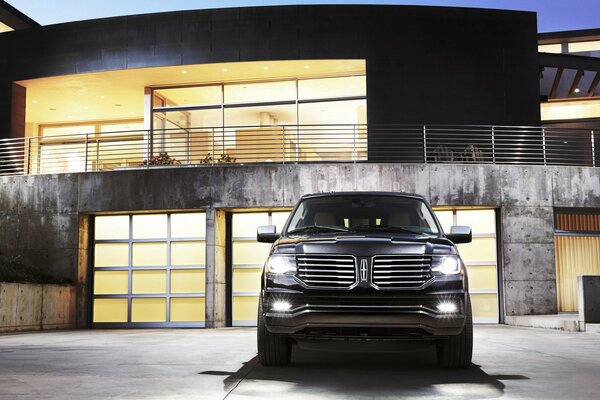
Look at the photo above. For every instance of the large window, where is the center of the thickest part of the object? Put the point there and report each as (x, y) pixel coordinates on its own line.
(307, 119)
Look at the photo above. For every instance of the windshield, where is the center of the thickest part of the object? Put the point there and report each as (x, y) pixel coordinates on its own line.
(360, 213)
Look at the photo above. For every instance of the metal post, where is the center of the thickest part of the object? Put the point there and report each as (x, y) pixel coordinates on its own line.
(493, 145)
(283, 144)
(354, 143)
(213, 147)
(28, 155)
(148, 150)
(593, 150)
(544, 143)
(297, 143)
(189, 151)
(425, 143)
(85, 168)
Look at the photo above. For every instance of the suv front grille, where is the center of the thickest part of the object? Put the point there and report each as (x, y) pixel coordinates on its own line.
(401, 271)
(321, 270)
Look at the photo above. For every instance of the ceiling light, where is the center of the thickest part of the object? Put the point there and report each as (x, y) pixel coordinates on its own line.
(576, 90)
(184, 71)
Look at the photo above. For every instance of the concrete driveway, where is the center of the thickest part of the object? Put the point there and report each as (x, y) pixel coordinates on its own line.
(512, 363)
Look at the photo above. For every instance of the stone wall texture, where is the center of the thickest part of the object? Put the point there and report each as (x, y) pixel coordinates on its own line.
(39, 215)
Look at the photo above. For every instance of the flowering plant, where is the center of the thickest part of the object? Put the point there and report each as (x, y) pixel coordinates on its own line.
(225, 158)
(161, 159)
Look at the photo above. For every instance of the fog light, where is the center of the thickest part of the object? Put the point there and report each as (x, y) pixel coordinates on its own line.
(281, 306)
(447, 307)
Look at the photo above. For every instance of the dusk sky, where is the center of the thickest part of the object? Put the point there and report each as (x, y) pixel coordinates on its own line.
(553, 15)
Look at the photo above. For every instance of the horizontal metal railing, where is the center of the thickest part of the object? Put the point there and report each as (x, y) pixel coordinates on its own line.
(300, 143)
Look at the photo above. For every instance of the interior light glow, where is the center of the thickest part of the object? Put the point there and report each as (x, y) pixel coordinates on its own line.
(281, 306)
(307, 66)
(184, 71)
(447, 307)
(102, 97)
(265, 68)
(34, 101)
(576, 90)
(224, 70)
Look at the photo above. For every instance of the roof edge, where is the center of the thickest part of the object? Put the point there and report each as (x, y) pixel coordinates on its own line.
(15, 18)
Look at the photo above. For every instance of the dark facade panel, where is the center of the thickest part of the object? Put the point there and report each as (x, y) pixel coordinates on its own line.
(429, 65)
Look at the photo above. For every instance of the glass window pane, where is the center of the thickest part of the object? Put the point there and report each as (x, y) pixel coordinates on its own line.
(480, 249)
(111, 282)
(59, 158)
(187, 309)
(188, 253)
(333, 113)
(122, 126)
(332, 87)
(110, 310)
(279, 218)
(68, 130)
(188, 225)
(480, 221)
(152, 226)
(111, 227)
(149, 254)
(260, 92)
(245, 308)
(244, 224)
(485, 305)
(482, 277)
(149, 310)
(446, 219)
(192, 96)
(187, 281)
(111, 255)
(149, 282)
(246, 280)
(250, 253)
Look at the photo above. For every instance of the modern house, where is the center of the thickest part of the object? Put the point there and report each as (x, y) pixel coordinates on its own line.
(138, 154)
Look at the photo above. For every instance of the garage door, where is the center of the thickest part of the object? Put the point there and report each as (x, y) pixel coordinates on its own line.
(248, 257)
(480, 257)
(577, 247)
(149, 270)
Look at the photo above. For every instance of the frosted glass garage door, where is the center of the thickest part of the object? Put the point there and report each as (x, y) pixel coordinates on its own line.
(248, 259)
(149, 270)
(480, 257)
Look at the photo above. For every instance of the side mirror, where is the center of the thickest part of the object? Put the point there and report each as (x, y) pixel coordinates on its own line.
(267, 234)
(460, 234)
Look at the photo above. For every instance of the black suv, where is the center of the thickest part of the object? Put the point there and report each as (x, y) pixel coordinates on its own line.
(364, 266)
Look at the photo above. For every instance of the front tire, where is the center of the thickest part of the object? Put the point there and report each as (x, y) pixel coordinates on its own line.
(457, 351)
(273, 349)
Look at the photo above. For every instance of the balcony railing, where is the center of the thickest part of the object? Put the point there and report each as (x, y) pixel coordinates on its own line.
(300, 143)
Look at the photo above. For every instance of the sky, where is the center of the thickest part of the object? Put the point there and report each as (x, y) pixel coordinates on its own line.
(553, 15)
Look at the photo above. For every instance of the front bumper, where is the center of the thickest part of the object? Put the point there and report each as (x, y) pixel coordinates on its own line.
(373, 313)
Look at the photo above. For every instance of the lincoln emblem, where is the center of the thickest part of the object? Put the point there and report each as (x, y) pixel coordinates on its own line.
(363, 270)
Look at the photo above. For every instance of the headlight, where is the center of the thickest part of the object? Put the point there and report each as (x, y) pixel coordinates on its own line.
(281, 264)
(446, 264)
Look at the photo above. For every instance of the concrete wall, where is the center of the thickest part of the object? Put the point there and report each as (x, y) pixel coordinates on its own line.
(26, 307)
(39, 215)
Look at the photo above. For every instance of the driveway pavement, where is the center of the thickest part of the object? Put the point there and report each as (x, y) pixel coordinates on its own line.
(512, 363)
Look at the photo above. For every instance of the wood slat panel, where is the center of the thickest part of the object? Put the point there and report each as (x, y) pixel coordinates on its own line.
(578, 222)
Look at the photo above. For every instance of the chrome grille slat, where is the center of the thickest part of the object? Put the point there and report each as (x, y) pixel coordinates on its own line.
(401, 271)
(337, 271)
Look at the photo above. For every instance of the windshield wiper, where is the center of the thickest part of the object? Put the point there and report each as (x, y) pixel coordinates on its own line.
(318, 228)
(394, 228)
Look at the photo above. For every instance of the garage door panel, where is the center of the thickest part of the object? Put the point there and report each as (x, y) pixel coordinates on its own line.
(110, 310)
(480, 249)
(245, 310)
(483, 277)
(485, 307)
(152, 277)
